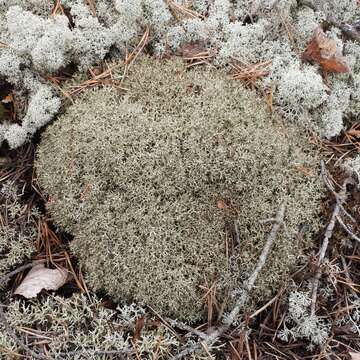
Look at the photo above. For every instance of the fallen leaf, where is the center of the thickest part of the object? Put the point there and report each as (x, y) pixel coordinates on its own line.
(355, 356)
(40, 278)
(190, 50)
(323, 50)
(8, 99)
(138, 327)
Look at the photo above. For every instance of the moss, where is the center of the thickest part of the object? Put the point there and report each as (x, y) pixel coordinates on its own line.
(152, 183)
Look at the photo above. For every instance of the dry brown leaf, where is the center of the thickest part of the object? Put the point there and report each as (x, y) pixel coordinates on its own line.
(7, 99)
(323, 50)
(190, 50)
(140, 322)
(40, 278)
(355, 356)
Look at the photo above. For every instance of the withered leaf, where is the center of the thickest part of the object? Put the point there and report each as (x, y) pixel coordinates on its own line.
(323, 50)
(140, 322)
(40, 278)
(190, 50)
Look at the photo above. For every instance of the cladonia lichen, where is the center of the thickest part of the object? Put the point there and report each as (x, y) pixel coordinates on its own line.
(38, 40)
(165, 188)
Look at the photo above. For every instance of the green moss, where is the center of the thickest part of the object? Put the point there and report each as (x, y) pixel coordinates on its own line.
(138, 181)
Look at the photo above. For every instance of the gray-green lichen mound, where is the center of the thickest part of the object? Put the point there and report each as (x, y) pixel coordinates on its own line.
(153, 183)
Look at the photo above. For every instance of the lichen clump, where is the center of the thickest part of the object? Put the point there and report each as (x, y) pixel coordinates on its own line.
(82, 328)
(37, 41)
(165, 188)
(18, 229)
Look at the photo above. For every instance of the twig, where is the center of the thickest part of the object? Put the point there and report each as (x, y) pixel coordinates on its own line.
(327, 236)
(58, 7)
(347, 275)
(164, 322)
(138, 49)
(180, 325)
(105, 77)
(259, 311)
(340, 198)
(120, 354)
(176, 8)
(237, 234)
(346, 228)
(6, 277)
(229, 320)
(250, 73)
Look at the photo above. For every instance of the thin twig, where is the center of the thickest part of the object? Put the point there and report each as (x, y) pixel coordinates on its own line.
(120, 354)
(347, 275)
(165, 322)
(324, 246)
(259, 311)
(340, 199)
(347, 229)
(177, 8)
(229, 320)
(8, 276)
(180, 325)
(138, 49)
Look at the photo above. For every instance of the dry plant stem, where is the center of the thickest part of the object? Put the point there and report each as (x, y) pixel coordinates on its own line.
(3, 320)
(340, 198)
(324, 246)
(229, 320)
(120, 354)
(347, 275)
(180, 325)
(183, 10)
(346, 228)
(105, 78)
(139, 48)
(349, 30)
